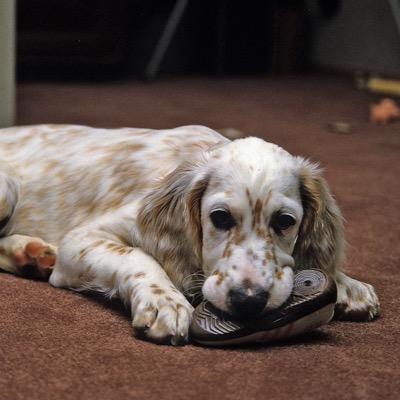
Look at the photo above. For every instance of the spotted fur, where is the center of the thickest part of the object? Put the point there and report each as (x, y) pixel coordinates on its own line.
(127, 212)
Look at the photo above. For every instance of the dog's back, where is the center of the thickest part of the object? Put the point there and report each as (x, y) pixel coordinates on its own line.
(71, 174)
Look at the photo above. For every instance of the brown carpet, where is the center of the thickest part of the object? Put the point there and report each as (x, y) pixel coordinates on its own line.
(56, 344)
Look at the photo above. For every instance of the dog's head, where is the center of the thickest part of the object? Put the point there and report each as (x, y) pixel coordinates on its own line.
(246, 214)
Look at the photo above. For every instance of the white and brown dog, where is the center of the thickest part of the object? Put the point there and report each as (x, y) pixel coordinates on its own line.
(153, 215)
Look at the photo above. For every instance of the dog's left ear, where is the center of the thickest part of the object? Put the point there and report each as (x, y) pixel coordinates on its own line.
(169, 223)
(320, 243)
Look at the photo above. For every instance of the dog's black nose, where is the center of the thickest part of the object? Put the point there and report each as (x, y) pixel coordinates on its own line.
(248, 302)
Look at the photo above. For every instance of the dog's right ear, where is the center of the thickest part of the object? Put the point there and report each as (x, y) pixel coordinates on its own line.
(169, 223)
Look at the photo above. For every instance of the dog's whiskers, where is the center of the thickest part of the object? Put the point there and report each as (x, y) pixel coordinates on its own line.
(192, 285)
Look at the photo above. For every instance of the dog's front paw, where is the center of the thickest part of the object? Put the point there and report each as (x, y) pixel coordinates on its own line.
(161, 315)
(356, 301)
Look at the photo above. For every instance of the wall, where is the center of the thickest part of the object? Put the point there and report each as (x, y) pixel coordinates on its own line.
(362, 36)
(7, 60)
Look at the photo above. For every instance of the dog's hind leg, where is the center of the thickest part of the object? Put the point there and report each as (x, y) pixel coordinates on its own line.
(20, 254)
(9, 194)
(28, 256)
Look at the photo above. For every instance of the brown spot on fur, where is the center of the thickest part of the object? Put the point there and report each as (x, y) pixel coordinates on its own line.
(117, 248)
(227, 251)
(126, 147)
(264, 234)
(113, 279)
(89, 248)
(110, 246)
(279, 274)
(98, 243)
(139, 275)
(256, 220)
(269, 255)
(121, 251)
(237, 237)
(158, 291)
(247, 284)
(220, 278)
(83, 253)
(249, 198)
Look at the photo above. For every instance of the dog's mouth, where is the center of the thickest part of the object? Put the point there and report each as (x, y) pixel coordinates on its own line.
(248, 300)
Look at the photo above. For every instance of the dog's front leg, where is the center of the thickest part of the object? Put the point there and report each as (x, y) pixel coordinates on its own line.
(97, 260)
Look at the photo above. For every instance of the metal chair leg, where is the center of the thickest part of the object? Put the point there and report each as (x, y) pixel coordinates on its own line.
(175, 17)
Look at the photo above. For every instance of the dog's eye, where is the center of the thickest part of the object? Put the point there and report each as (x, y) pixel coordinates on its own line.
(282, 222)
(222, 219)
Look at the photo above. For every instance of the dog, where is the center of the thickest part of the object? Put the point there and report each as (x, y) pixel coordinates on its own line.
(161, 217)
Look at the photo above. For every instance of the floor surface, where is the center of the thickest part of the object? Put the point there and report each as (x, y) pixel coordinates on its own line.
(55, 344)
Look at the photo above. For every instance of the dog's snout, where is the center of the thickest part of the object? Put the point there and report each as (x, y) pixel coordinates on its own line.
(247, 302)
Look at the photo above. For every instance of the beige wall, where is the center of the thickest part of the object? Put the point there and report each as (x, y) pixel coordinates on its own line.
(7, 62)
(363, 35)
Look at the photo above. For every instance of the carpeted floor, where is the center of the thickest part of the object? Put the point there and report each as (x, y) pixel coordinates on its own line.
(56, 344)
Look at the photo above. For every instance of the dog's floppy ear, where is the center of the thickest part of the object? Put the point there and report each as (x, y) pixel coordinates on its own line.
(320, 243)
(169, 223)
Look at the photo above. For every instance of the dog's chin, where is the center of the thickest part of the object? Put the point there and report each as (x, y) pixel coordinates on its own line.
(280, 291)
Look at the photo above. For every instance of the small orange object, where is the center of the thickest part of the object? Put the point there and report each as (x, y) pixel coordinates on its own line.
(384, 112)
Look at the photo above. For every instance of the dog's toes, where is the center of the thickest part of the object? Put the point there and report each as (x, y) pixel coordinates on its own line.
(35, 257)
(357, 301)
(171, 325)
(163, 319)
(366, 314)
(144, 318)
